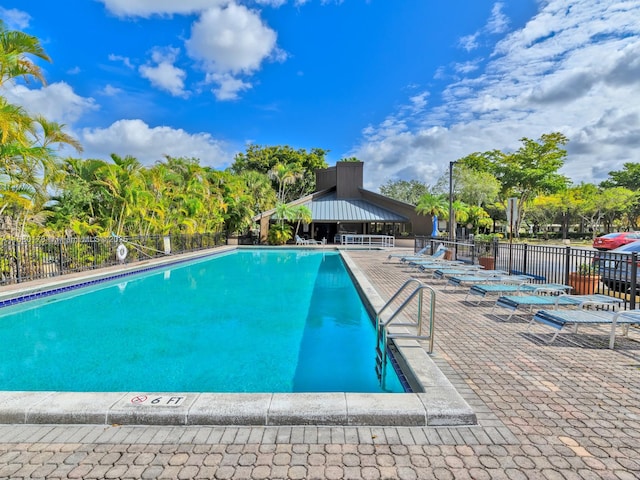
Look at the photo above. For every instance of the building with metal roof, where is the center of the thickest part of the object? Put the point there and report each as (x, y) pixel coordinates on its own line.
(340, 205)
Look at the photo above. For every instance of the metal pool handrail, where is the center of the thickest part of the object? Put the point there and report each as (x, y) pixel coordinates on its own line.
(381, 327)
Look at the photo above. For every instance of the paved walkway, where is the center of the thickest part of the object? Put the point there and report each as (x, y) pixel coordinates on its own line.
(569, 410)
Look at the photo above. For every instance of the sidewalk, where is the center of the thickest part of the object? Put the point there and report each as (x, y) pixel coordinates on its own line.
(569, 410)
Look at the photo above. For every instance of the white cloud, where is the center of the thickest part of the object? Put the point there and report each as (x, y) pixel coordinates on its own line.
(572, 68)
(498, 22)
(15, 19)
(150, 144)
(147, 8)
(57, 101)
(231, 39)
(163, 74)
(228, 86)
(469, 42)
(124, 60)
(111, 91)
(271, 3)
(230, 42)
(466, 67)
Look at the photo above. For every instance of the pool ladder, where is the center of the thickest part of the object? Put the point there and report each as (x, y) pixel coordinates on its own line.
(383, 335)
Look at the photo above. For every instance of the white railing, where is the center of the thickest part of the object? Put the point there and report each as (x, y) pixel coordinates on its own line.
(369, 240)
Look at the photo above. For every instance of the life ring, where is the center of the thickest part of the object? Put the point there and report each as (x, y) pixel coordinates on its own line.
(121, 252)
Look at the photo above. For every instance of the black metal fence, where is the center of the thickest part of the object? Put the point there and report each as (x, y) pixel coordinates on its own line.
(586, 270)
(23, 260)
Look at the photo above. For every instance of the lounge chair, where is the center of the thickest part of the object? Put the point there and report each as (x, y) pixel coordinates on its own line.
(457, 270)
(559, 318)
(484, 290)
(438, 256)
(467, 280)
(301, 241)
(553, 298)
(421, 254)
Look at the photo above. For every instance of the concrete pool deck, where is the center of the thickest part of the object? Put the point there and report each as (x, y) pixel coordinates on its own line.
(435, 403)
(568, 410)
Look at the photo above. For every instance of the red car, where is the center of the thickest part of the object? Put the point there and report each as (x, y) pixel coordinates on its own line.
(615, 240)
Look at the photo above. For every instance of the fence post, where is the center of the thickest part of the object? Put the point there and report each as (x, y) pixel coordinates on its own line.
(525, 251)
(567, 264)
(633, 283)
(18, 265)
(60, 261)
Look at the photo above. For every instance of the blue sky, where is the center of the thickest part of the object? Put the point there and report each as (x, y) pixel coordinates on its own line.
(406, 85)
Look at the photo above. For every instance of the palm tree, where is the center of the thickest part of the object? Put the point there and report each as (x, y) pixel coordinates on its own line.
(259, 187)
(434, 205)
(301, 213)
(284, 174)
(14, 48)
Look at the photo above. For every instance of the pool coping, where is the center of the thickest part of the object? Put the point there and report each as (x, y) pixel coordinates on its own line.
(437, 404)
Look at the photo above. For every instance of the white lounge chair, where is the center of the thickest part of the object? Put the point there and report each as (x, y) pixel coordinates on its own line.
(553, 298)
(559, 318)
(301, 241)
(421, 255)
(500, 289)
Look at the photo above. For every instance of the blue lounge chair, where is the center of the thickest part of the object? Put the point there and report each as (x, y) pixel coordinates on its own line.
(484, 290)
(553, 299)
(468, 280)
(559, 318)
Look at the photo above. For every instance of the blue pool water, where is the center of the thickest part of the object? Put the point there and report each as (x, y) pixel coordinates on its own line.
(249, 321)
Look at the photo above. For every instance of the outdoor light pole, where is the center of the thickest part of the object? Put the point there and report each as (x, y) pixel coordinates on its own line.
(452, 222)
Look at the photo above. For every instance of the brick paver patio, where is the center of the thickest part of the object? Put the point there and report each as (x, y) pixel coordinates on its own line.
(569, 410)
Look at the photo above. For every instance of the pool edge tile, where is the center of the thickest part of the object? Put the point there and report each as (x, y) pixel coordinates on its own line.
(308, 409)
(230, 409)
(445, 407)
(15, 406)
(385, 409)
(136, 408)
(73, 408)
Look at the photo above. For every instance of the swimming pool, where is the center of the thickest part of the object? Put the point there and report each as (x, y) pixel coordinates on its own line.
(249, 321)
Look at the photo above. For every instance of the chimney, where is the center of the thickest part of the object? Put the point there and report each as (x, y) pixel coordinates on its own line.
(349, 179)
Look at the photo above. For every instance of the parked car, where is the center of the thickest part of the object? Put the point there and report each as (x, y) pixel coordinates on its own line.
(616, 267)
(615, 240)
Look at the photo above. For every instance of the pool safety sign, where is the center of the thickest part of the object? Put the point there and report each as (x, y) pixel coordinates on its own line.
(158, 400)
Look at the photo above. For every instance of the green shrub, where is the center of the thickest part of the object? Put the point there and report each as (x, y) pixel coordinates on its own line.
(279, 234)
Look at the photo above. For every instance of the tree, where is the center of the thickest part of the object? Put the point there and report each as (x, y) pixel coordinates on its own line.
(628, 177)
(407, 191)
(27, 143)
(284, 174)
(259, 187)
(434, 205)
(588, 205)
(301, 214)
(616, 203)
(264, 158)
(544, 209)
(15, 49)
(532, 170)
(475, 187)
(478, 218)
